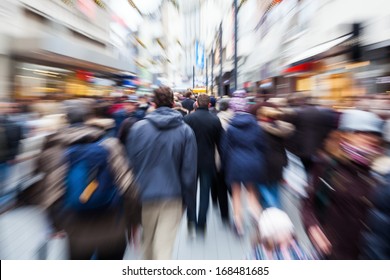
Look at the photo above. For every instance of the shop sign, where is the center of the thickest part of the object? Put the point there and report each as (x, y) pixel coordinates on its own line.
(87, 7)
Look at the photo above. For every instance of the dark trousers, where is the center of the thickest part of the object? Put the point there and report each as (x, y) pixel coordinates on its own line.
(95, 235)
(221, 190)
(205, 184)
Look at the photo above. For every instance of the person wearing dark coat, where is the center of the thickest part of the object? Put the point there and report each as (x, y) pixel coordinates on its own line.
(208, 130)
(188, 103)
(243, 159)
(339, 200)
(376, 239)
(312, 125)
(276, 132)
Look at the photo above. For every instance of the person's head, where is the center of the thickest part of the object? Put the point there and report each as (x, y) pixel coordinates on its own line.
(360, 137)
(78, 110)
(223, 104)
(131, 104)
(203, 101)
(188, 94)
(163, 97)
(239, 103)
(213, 101)
(275, 228)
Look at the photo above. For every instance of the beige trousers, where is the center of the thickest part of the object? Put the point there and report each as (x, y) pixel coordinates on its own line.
(160, 222)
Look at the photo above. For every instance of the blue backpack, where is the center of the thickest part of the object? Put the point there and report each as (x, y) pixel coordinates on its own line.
(89, 182)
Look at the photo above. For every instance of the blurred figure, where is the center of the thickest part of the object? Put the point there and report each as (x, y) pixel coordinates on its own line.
(208, 130)
(276, 132)
(212, 108)
(275, 238)
(132, 117)
(162, 149)
(339, 199)
(243, 152)
(87, 184)
(376, 238)
(188, 103)
(225, 115)
(143, 106)
(312, 125)
(10, 135)
(179, 107)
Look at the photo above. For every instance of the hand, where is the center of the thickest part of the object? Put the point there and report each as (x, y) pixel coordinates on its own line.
(59, 234)
(319, 240)
(133, 236)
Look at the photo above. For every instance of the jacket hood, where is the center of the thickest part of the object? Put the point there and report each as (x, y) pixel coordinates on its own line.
(165, 118)
(80, 133)
(241, 120)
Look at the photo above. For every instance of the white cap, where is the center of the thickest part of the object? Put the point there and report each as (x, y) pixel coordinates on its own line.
(275, 225)
(357, 120)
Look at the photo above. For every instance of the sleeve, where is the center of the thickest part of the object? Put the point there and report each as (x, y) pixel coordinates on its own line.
(219, 134)
(125, 181)
(188, 172)
(123, 175)
(308, 215)
(290, 116)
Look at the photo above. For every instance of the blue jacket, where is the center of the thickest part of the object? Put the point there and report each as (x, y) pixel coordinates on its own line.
(243, 148)
(162, 149)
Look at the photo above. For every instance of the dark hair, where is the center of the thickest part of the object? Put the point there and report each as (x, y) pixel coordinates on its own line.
(224, 104)
(188, 94)
(203, 101)
(163, 97)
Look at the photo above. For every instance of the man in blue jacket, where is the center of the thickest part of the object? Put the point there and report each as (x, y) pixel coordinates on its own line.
(163, 152)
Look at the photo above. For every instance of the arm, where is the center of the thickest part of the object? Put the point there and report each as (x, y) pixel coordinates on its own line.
(310, 221)
(218, 135)
(188, 171)
(123, 175)
(124, 180)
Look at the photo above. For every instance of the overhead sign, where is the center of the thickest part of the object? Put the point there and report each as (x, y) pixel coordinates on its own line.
(199, 55)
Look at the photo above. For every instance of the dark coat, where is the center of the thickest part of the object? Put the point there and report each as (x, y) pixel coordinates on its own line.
(188, 104)
(11, 135)
(243, 150)
(313, 124)
(275, 154)
(208, 130)
(376, 239)
(338, 203)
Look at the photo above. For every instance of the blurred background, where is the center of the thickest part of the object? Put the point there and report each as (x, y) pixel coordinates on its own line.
(336, 49)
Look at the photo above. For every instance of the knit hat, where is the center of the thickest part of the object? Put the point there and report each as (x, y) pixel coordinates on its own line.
(239, 103)
(275, 225)
(357, 120)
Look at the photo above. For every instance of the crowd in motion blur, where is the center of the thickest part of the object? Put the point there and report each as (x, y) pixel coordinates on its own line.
(109, 170)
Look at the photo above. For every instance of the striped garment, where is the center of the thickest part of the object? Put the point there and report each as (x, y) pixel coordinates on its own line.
(292, 252)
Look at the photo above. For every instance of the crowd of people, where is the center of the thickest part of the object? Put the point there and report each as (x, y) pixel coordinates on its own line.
(135, 164)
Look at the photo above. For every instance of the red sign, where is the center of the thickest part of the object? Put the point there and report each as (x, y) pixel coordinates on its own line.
(304, 67)
(87, 7)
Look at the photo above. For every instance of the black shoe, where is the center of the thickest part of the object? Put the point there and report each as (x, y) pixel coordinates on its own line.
(191, 229)
(201, 231)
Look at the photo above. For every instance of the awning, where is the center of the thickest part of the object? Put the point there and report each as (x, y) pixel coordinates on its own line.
(304, 67)
(61, 52)
(317, 50)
